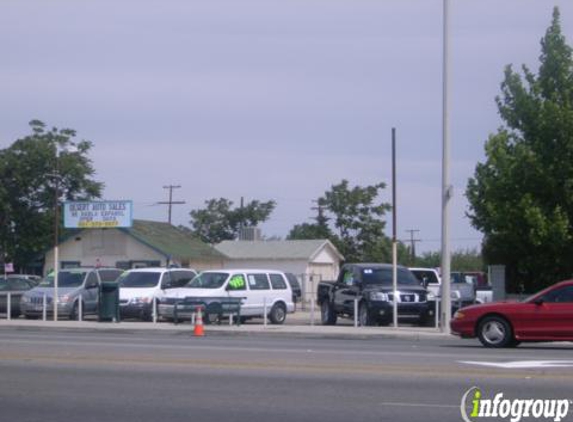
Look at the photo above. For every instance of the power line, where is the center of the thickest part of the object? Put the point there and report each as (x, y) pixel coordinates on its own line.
(413, 241)
(171, 202)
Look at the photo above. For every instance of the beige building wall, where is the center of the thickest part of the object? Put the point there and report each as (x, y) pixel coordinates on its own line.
(107, 247)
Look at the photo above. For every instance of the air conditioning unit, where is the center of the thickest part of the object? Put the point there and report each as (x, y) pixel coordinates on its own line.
(250, 233)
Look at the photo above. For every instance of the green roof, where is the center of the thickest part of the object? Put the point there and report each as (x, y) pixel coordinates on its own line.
(171, 241)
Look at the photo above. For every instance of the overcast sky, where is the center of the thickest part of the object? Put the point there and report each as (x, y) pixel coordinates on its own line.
(269, 99)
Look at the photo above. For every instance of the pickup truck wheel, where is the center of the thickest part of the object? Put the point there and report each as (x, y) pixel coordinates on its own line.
(495, 332)
(327, 315)
(364, 318)
(278, 313)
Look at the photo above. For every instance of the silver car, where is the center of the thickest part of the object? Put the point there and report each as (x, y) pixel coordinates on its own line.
(73, 284)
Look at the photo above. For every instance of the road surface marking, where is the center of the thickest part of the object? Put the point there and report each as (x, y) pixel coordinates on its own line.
(523, 364)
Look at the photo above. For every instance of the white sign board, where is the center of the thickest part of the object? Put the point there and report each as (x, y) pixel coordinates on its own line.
(98, 215)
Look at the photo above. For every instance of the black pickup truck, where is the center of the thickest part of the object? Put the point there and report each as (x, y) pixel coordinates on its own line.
(372, 285)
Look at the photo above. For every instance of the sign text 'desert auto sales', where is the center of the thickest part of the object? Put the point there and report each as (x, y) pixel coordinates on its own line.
(99, 214)
(476, 406)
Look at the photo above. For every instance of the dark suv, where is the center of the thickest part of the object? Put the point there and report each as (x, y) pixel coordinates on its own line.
(368, 288)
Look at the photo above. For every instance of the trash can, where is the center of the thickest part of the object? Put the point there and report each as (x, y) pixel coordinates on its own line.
(108, 301)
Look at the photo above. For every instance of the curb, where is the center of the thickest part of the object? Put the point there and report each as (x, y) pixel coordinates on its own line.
(301, 331)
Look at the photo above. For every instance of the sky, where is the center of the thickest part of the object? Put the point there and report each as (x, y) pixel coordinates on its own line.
(270, 99)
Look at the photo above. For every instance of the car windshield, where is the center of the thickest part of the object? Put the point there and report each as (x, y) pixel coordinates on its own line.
(65, 279)
(383, 276)
(139, 279)
(208, 281)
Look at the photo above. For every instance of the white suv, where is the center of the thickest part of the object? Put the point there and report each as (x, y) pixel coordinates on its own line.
(140, 288)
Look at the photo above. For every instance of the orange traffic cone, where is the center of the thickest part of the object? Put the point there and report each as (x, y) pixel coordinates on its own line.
(198, 330)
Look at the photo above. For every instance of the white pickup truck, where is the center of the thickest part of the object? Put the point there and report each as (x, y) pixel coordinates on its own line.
(464, 287)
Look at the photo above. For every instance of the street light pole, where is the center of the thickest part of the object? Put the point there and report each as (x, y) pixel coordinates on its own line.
(56, 232)
(446, 187)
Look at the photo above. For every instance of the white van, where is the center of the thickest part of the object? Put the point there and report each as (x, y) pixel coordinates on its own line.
(259, 289)
(139, 287)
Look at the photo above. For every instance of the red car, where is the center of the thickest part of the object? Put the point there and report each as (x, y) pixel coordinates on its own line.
(545, 316)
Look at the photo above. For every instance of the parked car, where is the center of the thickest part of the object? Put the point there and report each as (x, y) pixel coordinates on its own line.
(466, 287)
(372, 286)
(295, 287)
(483, 290)
(545, 316)
(74, 284)
(140, 287)
(13, 286)
(259, 289)
(32, 278)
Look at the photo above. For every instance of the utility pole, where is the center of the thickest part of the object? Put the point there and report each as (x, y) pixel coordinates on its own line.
(394, 238)
(447, 189)
(413, 241)
(171, 202)
(320, 219)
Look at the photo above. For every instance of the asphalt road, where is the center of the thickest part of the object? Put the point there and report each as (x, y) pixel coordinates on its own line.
(61, 375)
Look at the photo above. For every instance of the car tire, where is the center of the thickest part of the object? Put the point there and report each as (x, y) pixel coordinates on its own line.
(278, 314)
(496, 332)
(327, 315)
(364, 317)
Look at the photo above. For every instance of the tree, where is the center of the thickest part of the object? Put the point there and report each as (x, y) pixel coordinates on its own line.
(219, 221)
(521, 198)
(462, 260)
(317, 230)
(356, 219)
(29, 171)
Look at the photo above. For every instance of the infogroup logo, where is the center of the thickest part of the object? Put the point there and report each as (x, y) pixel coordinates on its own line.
(514, 410)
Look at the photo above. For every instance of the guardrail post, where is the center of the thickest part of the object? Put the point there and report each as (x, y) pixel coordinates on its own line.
(9, 306)
(437, 313)
(312, 312)
(44, 307)
(80, 309)
(355, 312)
(265, 311)
(154, 309)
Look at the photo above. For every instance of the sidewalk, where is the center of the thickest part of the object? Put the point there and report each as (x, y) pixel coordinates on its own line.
(297, 324)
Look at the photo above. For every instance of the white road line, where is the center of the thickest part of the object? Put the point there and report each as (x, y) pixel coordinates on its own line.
(523, 364)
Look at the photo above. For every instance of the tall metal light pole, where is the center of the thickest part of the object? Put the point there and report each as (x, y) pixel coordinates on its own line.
(56, 231)
(446, 187)
(395, 293)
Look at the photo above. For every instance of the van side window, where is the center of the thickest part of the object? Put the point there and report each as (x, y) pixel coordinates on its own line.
(277, 281)
(258, 282)
(237, 282)
(92, 280)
